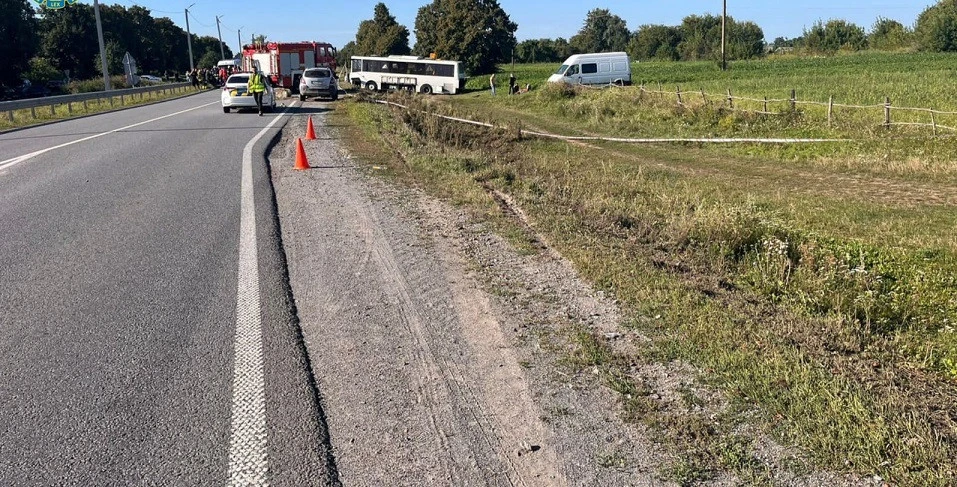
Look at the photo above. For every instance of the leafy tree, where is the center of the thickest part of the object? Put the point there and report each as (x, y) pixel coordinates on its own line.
(68, 38)
(43, 70)
(784, 42)
(537, 51)
(889, 35)
(835, 35)
(745, 40)
(345, 54)
(382, 35)
(207, 48)
(658, 42)
(602, 32)
(476, 32)
(173, 54)
(700, 37)
(936, 28)
(18, 34)
(208, 59)
(563, 48)
(114, 57)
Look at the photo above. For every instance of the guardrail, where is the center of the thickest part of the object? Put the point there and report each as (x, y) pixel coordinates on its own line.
(69, 100)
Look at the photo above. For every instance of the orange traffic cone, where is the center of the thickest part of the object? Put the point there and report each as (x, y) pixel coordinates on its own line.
(301, 162)
(310, 132)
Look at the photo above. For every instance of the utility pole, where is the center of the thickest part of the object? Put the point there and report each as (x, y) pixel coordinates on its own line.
(239, 39)
(99, 35)
(724, 15)
(222, 52)
(189, 38)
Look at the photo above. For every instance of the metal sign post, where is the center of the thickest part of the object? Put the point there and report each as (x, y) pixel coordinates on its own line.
(99, 35)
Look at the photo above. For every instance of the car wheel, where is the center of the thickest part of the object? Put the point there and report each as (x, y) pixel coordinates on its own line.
(371, 86)
(225, 109)
(426, 89)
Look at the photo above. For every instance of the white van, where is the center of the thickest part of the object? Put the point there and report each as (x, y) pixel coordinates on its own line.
(229, 63)
(594, 69)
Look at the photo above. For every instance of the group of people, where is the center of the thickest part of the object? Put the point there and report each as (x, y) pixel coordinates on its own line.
(513, 88)
(208, 77)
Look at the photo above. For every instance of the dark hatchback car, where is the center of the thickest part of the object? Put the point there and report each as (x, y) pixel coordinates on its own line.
(318, 82)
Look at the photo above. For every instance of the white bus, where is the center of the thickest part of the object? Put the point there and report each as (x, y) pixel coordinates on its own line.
(411, 73)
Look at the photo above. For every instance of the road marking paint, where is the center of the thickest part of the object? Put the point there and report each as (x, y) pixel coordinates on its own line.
(16, 160)
(248, 462)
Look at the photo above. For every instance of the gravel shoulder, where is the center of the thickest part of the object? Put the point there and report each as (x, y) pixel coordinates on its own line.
(431, 340)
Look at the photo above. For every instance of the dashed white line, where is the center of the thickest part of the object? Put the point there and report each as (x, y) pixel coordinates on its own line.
(16, 160)
(248, 461)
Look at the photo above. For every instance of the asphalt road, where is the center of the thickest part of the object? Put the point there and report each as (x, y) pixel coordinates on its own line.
(130, 252)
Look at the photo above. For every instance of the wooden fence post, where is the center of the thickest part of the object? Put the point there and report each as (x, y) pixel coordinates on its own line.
(887, 111)
(85, 107)
(730, 100)
(793, 100)
(33, 111)
(641, 91)
(69, 108)
(53, 110)
(10, 116)
(933, 121)
(704, 98)
(830, 109)
(765, 104)
(679, 96)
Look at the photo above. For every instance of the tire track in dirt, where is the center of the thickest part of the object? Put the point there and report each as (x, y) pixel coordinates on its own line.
(419, 385)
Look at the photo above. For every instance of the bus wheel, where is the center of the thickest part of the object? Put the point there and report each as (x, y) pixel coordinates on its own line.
(371, 86)
(426, 89)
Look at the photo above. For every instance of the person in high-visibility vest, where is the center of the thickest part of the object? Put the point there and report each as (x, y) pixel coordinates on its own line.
(257, 85)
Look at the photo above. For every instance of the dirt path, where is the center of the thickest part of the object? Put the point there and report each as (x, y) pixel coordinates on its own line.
(425, 378)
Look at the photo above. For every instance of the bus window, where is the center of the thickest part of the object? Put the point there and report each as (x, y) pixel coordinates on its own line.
(357, 65)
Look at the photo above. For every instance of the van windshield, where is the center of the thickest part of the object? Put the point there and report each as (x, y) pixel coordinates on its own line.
(562, 69)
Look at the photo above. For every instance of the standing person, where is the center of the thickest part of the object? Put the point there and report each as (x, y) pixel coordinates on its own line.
(222, 74)
(491, 82)
(193, 79)
(257, 85)
(512, 87)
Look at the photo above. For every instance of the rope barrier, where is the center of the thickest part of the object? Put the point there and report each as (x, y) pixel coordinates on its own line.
(628, 140)
(724, 96)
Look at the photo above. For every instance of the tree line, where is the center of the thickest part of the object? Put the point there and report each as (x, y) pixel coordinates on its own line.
(50, 44)
(480, 33)
(44, 44)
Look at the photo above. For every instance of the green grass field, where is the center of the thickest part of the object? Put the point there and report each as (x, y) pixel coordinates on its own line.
(815, 284)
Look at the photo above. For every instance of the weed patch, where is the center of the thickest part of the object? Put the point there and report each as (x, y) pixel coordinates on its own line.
(829, 312)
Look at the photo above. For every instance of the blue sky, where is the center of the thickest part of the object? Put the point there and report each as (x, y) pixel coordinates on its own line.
(337, 21)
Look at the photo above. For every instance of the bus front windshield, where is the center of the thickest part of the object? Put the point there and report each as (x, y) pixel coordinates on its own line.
(562, 69)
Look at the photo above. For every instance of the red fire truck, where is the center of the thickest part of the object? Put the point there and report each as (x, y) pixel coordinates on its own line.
(284, 62)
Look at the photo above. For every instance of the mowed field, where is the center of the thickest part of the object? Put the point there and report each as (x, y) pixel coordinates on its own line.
(813, 284)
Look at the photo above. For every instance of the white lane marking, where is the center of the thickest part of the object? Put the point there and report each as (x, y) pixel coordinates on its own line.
(16, 160)
(248, 462)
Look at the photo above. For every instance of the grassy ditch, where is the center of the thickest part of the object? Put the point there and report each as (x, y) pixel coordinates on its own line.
(820, 295)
